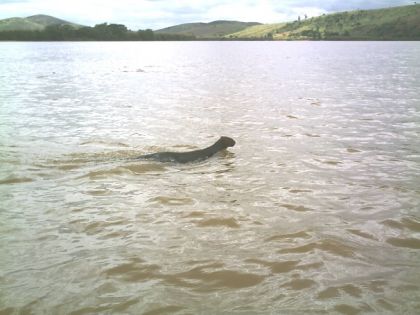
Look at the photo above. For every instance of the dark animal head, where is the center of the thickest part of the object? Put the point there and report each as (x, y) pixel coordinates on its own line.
(227, 142)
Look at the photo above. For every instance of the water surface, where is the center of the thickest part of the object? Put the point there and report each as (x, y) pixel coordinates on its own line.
(314, 211)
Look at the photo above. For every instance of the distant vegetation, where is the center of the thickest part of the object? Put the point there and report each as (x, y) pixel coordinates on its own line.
(212, 30)
(47, 28)
(263, 31)
(33, 23)
(397, 23)
(100, 32)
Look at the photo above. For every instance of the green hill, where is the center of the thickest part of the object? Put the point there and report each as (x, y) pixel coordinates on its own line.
(216, 29)
(397, 23)
(32, 23)
(46, 20)
(19, 24)
(257, 31)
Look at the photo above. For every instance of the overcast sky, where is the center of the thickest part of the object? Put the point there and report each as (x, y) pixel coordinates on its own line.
(155, 14)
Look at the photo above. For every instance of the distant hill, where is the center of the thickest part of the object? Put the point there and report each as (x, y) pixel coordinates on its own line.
(257, 31)
(33, 23)
(397, 23)
(216, 29)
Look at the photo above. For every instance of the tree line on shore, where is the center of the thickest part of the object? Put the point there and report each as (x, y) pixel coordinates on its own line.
(100, 32)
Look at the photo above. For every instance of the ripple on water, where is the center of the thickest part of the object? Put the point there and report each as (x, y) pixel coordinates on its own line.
(195, 214)
(299, 284)
(298, 208)
(15, 180)
(347, 309)
(286, 237)
(299, 191)
(69, 167)
(362, 234)
(211, 278)
(110, 227)
(219, 222)
(352, 150)
(105, 173)
(336, 291)
(405, 223)
(104, 143)
(137, 270)
(408, 242)
(277, 266)
(98, 192)
(358, 293)
(170, 201)
(204, 278)
(286, 266)
(146, 168)
(327, 245)
(170, 309)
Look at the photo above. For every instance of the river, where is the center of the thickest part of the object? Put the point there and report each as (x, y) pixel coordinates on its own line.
(315, 210)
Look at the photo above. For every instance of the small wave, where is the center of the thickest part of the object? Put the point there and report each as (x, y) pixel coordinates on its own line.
(408, 223)
(98, 192)
(331, 162)
(98, 227)
(348, 309)
(299, 284)
(286, 265)
(85, 158)
(337, 291)
(297, 191)
(69, 167)
(134, 271)
(300, 234)
(387, 306)
(165, 200)
(362, 234)
(204, 278)
(330, 246)
(106, 143)
(277, 266)
(15, 180)
(214, 222)
(138, 70)
(104, 173)
(298, 208)
(210, 280)
(412, 243)
(352, 150)
(195, 214)
(170, 309)
(145, 168)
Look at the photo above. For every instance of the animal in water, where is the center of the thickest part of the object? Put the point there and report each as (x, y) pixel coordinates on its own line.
(190, 156)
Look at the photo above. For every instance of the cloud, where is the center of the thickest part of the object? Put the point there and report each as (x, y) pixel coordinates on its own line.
(12, 1)
(156, 14)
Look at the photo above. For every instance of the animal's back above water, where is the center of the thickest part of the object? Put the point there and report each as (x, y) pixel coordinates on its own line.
(190, 156)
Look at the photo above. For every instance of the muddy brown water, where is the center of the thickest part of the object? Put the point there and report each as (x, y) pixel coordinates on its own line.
(314, 211)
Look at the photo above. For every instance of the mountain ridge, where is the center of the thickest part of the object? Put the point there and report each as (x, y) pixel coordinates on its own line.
(395, 23)
(36, 22)
(214, 29)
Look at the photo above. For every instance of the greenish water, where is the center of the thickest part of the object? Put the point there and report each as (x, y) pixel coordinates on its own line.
(314, 211)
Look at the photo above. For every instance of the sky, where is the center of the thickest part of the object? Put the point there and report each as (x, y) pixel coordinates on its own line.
(156, 14)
